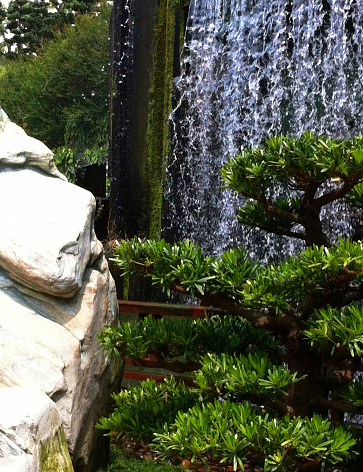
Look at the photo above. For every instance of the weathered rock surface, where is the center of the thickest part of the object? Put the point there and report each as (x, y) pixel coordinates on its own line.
(31, 436)
(47, 237)
(56, 294)
(50, 344)
(19, 149)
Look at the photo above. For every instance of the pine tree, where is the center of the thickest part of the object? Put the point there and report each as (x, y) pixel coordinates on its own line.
(60, 96)
(29, 26)
(2, 25)
(32, 23)
(65, 12)
(310, 302)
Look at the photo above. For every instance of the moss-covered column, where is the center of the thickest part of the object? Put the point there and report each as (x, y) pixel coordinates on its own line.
(144, 57)
(158, 138)
(145, 50)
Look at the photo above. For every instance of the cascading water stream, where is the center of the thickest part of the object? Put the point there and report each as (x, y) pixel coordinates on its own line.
(251, 69)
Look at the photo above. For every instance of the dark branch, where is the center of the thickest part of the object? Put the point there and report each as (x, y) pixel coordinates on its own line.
(336, 378)
(309, 193)
(341, 281)
(345, 406)
(349, 183)
(279, 406)
(172, 366)
(273, 210)
(282, 324)
(352, 294)
(290, 234)
(309, 463)
(333, 296)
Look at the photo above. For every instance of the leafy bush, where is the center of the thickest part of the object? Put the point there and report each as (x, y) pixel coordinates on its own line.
(252, 377)
(223, 431)
(68, 160)
(309, 303)
(60, 95)
(185, 338)
(207, 423)
(147, 408)
(235, 433)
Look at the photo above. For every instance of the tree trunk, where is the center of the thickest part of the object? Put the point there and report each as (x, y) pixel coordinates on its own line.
(313, 229)
(302, 396)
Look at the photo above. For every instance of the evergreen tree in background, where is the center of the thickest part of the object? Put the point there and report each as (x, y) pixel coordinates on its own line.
(2, 24)
(65, 12)
(29, 26)
(32, 23)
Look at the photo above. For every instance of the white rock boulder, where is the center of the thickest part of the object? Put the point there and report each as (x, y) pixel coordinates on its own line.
(56, 294)
(46, 237)
(19, 149)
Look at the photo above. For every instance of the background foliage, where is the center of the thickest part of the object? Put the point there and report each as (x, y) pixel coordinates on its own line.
(30, 24)
(60, 94)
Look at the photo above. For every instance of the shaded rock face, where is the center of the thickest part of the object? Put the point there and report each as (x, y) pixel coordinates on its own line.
(56, 293)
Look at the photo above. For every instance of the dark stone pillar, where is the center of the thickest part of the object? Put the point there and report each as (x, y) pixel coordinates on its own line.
(132, 34)
(144, 58)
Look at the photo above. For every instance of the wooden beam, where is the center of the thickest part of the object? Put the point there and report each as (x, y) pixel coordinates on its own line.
(132, 375)
(165, 309)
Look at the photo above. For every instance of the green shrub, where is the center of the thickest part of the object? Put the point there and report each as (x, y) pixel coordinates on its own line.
(252, 377)
(69, 160)
(235, 433)
(147, 408)
(185, 338)
(192, 423)
(309, 302)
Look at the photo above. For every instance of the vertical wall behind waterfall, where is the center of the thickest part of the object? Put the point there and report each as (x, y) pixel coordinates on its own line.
(132, 33)
(144, 58)
(169, 33)
(251, 69)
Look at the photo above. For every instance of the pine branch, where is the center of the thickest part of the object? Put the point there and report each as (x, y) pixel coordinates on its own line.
(336, 378)
(282, 324)
(352, 294)
(279, 406)
(273, 210)
(349, 183)
(172, 365)
(290, 234)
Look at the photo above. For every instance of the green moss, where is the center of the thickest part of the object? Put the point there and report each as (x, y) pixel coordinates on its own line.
(54, 455)
(126, 287)
(158, 139)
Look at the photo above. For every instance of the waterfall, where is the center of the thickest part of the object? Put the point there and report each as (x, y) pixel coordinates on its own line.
(251, 69)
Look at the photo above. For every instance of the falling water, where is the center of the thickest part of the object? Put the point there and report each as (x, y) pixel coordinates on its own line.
(251, 69)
